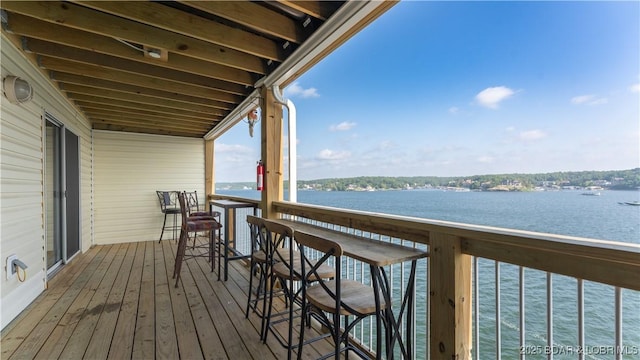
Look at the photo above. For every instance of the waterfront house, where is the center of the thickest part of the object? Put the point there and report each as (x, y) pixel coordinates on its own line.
(128, 98)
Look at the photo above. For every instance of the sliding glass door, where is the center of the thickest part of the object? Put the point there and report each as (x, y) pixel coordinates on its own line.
(62, 193)
(53, 194)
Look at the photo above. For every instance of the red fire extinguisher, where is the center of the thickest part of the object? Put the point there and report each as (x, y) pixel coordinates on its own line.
(260, 176)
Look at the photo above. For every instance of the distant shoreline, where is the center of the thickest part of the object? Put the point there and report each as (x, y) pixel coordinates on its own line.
(579, 180)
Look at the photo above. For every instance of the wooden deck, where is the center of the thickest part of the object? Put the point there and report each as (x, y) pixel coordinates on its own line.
(119, 302)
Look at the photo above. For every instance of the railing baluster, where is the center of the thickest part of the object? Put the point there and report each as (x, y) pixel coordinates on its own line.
(549, 316)
(402, 292)
(581, 319)
(371, 332)
(427, 314)
(476, 314)
(618, 350)
(522, 316)
(498, 312)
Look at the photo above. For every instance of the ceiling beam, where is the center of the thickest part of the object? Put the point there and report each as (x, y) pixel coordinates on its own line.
(35, 29)
(134, 79)
(254, 16)
(137, 105)
(317, 9)
(93, 58)
(144, 130)
(165, 17)
(81, 18)
(151, 122)
(137, 90)
(143, 99)
(89, 107)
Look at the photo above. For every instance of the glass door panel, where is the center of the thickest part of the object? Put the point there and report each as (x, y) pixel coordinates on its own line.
(53, 192)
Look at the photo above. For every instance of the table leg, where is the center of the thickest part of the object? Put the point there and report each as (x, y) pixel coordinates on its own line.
(391, 329)
(393, 322)
(379, 286)
(411, 294)
(226, 245)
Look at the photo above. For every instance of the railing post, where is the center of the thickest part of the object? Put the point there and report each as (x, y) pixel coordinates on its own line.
(271, 149)
(209, 169)
(450, 305)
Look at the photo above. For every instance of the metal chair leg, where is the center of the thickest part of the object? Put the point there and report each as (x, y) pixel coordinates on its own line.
(164, 223)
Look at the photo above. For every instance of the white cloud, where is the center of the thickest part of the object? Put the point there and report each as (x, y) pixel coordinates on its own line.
(532, 135)
(491, 97)
(386, 145)
(454, 110)
(234, 149)
(581, 99)
(599, 101)
(295, 90)
(486, 159)
(327, 154)
(588, 100)
(343, 126)
(635, 88)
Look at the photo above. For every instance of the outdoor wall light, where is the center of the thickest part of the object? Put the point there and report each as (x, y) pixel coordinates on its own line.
(16, 89)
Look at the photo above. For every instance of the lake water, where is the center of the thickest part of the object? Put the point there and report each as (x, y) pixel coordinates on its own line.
(559, 212)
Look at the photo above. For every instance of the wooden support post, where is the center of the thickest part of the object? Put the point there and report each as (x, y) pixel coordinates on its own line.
(271, 148)
(209, 169)
(450, 306)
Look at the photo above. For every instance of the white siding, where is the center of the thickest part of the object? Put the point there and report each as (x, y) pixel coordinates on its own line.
(129, 168)
(21, 180)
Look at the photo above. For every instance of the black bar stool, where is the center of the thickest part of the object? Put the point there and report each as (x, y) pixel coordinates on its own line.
(329, 300)
(287, 272)
(195, 224)
(169, 206)
(260, 265)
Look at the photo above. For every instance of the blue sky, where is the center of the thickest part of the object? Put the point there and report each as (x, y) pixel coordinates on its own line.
(467, 88)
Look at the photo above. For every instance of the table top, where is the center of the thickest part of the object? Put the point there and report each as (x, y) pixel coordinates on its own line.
(373, 252)
(228, 204)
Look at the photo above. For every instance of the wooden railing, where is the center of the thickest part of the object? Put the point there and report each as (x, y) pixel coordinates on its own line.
(451, 286)
(608, 262)
(452, 246)
(234, 198)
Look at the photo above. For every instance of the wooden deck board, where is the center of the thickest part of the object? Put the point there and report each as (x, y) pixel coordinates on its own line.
(144, 337)
(125, 326)
(59, 321)
(166, 338)
(189, 346)
(248, 337)
(207, 332)
(35, 312)
(100, 341)
(217, 308)
(119, 302)
(50, 334)
(89, 315)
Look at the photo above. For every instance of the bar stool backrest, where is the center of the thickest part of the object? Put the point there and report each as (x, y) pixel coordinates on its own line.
(279, 236)
(258, 233)
(183, 209)
(192, 201)
(310, 267)
(167, 200)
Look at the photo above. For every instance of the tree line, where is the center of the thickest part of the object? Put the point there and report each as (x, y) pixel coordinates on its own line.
(612, 179)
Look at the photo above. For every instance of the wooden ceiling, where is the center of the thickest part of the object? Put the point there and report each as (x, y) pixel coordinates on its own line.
(170, 67)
